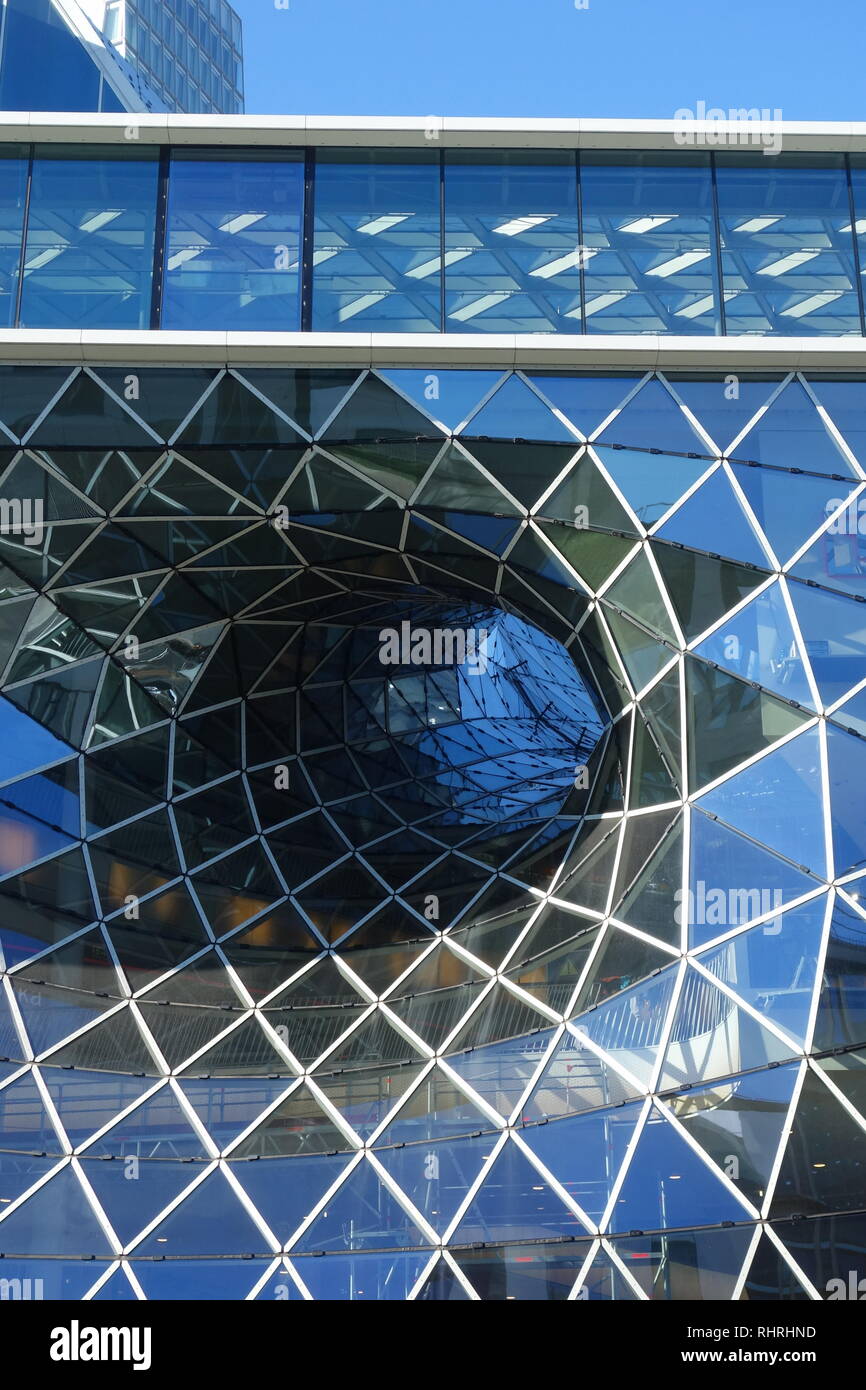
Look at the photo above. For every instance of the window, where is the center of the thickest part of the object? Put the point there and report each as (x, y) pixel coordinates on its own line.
(233, 241)
(512, 258)
(649, 244)
(89, 255)
(787, 245)
(377, 257)
(13, 183)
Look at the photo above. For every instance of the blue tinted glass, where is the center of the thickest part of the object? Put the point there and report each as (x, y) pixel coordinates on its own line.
(13, 180)
(57, 1220)
(512, 255)
(89, 256)
(773, 966)
(209, 1280)
(377, 256)
(668, 1185)
(787, 246)
(232, 255)
(45, 67)
(34, 1280)
(362, 1278)
(778, 802)
(132, 1191)
(515, 1202)
(648, 234)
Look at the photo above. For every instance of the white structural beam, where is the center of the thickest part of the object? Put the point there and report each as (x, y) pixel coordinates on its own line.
(736, 355)
(449, 132)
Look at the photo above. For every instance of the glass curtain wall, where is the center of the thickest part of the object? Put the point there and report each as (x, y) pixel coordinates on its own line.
(433, 240)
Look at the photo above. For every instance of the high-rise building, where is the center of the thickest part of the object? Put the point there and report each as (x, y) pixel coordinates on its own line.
(433, 699)
(120, 55)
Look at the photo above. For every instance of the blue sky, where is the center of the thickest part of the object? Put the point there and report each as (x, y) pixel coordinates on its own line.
(549, 58)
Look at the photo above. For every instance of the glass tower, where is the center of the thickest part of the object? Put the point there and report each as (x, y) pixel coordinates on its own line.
(120, 55)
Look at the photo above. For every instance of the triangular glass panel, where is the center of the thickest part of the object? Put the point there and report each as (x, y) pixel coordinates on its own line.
(514, 411)
(841, 1019)
(585, 1153)
(759, 644)
(702, 587)
(847, 762)
(636, 591)
(722, 406)
(792, 434)
(733, 881)
(773, 966)
(712, 519)
(443, 1286)
(307, 396)
(437, 1174)
(165, 395)
(632, 1024)
(668, 1185)
(232, 414)
(778, 802)
(457, 484)
(515, 1202)
(585, 400)
(24, 1121)
(87, 416)
(832, 628)
(651, 483)
(740, 1122)
(364, 1214)
(823, 1163)
(446, 396)
(214, 1280)
(133, 1190)
(56, 1220)
(642, 654)
(363, 1278)
(209, 1221)
(653, 419)
(575, 1079)
(298, 1125)
(729, 721)
(361, 418)
(712, 1036)
(789, 508)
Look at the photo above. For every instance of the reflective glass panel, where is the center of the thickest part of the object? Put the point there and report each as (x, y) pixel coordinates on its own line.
(89, 254)
(233, 241)
(377, 254)
(512, 254)
(787, 245)
(648, 236)
(13, 183)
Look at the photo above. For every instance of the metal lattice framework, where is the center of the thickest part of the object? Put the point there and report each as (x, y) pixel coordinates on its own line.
(546, 982)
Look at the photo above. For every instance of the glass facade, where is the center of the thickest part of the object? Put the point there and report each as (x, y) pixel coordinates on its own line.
(88, 252)
(431, 831)
(393, 240)
(44, 65)
(120, 55)
(190, 51)
(226, 266)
